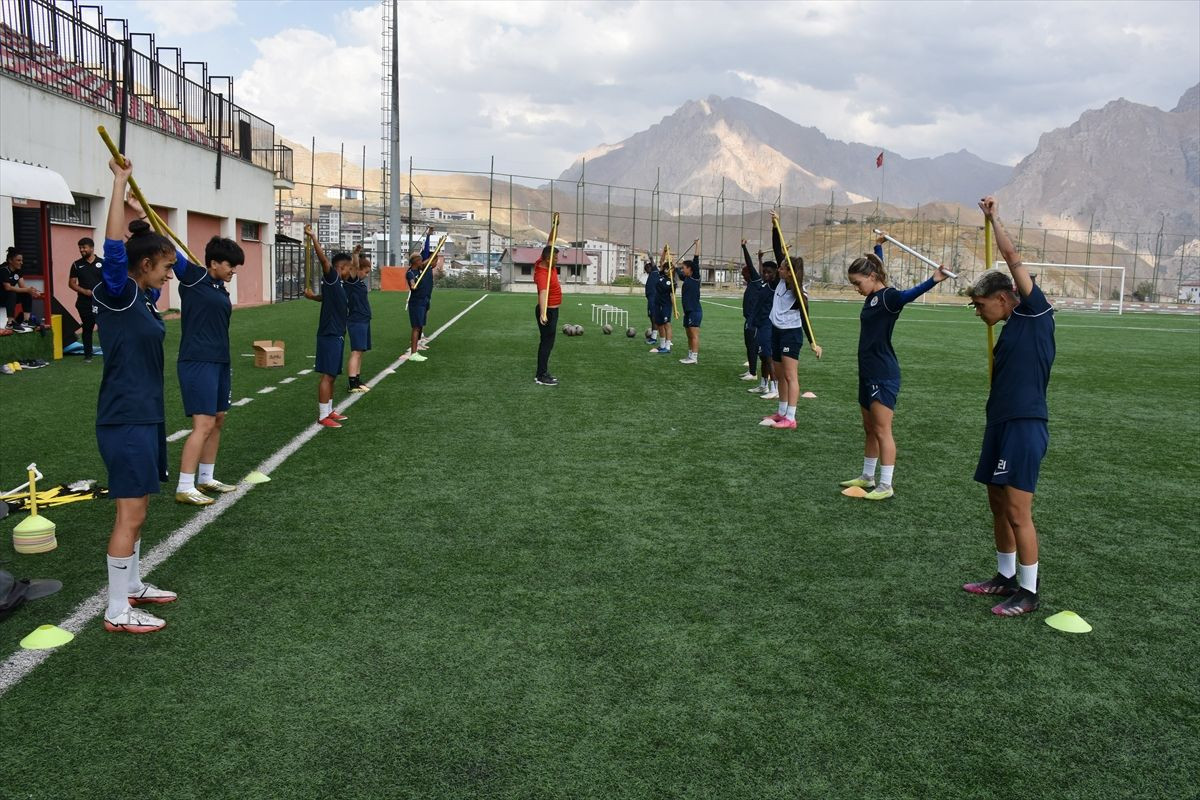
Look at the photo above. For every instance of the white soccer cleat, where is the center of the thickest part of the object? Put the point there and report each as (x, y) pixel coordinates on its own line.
(150, 594)
(688, 360)
(771, 395)
(758, 390)
(193, 497)
(133, 620)
(748, 376)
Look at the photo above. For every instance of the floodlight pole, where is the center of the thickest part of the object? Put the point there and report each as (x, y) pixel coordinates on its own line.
(394, 219)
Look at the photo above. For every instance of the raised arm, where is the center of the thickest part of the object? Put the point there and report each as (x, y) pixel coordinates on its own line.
(325, 266)
(115, 269)
(427, 251)
(1021, 278)
(776, 242)
(749, 262)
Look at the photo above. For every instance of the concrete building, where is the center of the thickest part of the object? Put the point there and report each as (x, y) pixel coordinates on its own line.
(516, 269)
(609, 260)
(202, 178)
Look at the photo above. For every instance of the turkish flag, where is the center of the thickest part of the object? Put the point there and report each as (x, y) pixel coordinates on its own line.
(879, 160)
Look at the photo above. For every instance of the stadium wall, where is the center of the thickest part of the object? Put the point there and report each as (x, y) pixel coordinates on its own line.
(53, 131)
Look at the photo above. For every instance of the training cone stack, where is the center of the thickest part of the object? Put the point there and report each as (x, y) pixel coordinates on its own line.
(45, 637)
(256, 477)
(1069, 622)
(35, 533)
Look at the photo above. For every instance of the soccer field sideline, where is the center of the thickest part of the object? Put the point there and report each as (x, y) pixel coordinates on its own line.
(22, 662)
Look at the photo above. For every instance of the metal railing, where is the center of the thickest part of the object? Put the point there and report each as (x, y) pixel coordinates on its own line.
(73, 50)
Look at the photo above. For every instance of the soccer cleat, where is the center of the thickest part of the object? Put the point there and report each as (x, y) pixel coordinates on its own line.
(133, 621)
(216, 486)
(772, 394)
(746, 364)
(785, 424)
(688, 360)
(336, 417)
(192, 497)
(757, 390)
(883, 492)
(997, 584)
(362, 387)
(417, 357)
(748, 376)
(546, 380)
(769, 422)
(329, 422)
(422, 346)
(862, 482)
(150, 594)
(87, 360)
(1021, 602)
(357, 389)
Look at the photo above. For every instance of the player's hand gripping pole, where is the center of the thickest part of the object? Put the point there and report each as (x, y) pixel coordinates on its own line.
(915, 254)
(308, 262)
(987, 254)
(432, 258)
(151, 215)
(799, 289)
(670, 262)
(544, 311)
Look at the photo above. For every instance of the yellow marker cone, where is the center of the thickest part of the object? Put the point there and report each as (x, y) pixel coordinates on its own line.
(854, 491)
(1069, 622)
(45, 637)
(256, 477)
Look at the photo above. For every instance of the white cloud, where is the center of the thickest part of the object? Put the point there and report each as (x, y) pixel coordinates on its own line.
(186, 18)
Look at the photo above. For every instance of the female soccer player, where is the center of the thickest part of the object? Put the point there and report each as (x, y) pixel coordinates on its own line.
(205, 376)
(358, 323)
(761, 291)
(750, 277)
(419, 298)
(13, 290)
(130, 419)
(878, 367)
(692, 313)
(331, 330)
(651, 300)
(1017, 435)
(546, 314)
(789, 326)
(664, 307)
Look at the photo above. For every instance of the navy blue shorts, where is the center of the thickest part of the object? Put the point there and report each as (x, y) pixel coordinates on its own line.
(206, 387)
(786, 343)
(662, 317)
(135, 456)
(691, 319)
(360, 336)
(329, 354)
(878, 391)
(1012, 453)
(418, 313)
(764, 336)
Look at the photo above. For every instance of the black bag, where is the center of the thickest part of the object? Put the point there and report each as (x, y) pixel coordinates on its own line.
(13, 592)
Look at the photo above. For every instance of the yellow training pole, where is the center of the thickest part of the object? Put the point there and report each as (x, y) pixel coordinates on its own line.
(795, 280)
(987, 254)
(308, 263)
(152, 216)
(671, 275)
(432, 258)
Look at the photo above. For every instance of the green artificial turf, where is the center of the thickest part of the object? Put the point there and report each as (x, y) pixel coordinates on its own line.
(623, 587)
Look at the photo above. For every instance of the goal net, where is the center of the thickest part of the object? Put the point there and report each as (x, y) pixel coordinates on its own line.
(1080, 287)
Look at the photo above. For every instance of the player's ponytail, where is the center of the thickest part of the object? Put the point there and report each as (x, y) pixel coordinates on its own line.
(143, 245)
(869, 265)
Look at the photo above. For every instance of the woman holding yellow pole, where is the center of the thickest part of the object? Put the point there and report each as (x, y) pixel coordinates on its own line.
(549, 299)
(790, 324)
(130, 418)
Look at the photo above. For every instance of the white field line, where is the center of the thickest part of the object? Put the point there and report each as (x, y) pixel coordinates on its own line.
(304, 372)
(22, 662)
(177, 435)
(287, 380)
(974, 321)
(266, 390)
(243, 401)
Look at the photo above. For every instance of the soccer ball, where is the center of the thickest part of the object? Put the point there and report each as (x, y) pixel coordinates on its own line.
(649, 332)
(607, 329)
(631, 332)
(579, 330)
(567, 328)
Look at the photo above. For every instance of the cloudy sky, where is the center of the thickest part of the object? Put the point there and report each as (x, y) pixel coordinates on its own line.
(535, 84)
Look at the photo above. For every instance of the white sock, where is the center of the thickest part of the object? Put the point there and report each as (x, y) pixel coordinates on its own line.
(782, 408)
(1006, 563)
(118, 586)
(774, 386)
(324, 410)
(885, 474)
(187, 482)
(1028, 577)
(869, 466)
(762, 383)
(791, 413)
(692, 355)
(135, 568)
(205, 475)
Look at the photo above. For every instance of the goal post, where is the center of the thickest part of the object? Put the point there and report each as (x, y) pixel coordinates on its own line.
(1081, 287)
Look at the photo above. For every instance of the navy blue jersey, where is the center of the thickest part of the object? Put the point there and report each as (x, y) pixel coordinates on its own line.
(1023, 356)
(205, 313)
(131, 333)
(690, 294)
(764, 296)
(356, 300)
(751, 295)
(652, 290)
(664, 292)
(424, 290)
(334, 309)
(876, 357)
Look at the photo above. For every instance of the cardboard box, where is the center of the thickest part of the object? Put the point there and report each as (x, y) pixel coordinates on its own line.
(268, 353)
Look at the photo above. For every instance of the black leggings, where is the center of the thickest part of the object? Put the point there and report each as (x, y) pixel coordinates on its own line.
(751, 337)
(87, 324)
(547, 333)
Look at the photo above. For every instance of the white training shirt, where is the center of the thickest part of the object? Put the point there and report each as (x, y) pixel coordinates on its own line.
(784, 312)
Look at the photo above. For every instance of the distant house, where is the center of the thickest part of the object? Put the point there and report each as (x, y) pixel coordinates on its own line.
(573, 265)
(1189, 293)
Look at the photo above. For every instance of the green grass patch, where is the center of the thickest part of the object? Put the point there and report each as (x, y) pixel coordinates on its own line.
(622, 586)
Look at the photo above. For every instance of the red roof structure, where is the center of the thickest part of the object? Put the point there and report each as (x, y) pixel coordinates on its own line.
(564, 256)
